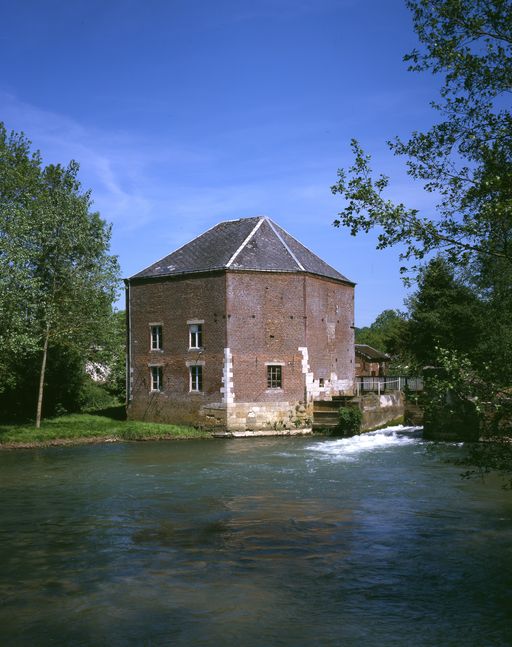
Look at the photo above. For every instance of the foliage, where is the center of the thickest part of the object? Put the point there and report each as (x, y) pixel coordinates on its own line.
(451, 406)
(443, 313)
(389, 334)
(57, 278)
(485, 457)
(109, 359)
(463, 404)
(463, 303)
(94, 396)
(116, 381)
(350, 419)
(19, 179)
(493, 281)
(63, 384)
(466, 158)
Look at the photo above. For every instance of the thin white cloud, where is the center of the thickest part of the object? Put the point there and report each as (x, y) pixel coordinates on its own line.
(160, 194)
(117, 166)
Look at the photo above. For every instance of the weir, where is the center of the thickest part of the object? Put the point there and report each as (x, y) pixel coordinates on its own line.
(377, 409)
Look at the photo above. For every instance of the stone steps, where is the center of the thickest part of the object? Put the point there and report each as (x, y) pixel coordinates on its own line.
(326, 412)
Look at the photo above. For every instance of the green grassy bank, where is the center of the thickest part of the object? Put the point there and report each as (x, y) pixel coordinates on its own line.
(83, 427)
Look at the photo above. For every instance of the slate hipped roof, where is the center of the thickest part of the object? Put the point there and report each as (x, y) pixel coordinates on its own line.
(246, 244)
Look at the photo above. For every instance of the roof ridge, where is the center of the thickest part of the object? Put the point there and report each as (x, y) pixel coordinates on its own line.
(254, 230)
(313, 254)
(284, 244)
(301, 243)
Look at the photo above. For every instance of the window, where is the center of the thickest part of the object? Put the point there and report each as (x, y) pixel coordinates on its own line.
(156, 378)
(274, 377)
(196, 378)
(195, 333)
(321, 382)
(156, 337)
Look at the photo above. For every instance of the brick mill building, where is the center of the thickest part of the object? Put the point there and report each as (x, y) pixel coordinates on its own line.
(240, 329)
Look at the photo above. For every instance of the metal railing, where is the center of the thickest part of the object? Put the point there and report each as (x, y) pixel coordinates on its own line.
(381, 384)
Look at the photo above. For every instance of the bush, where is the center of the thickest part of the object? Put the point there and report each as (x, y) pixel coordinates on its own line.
(350, 419)
(95, 397)
(63, 383)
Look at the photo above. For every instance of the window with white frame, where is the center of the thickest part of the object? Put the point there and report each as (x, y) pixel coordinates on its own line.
(196, 378)
(195, 335)
(156, 337)
(156, 377)
(274, 376)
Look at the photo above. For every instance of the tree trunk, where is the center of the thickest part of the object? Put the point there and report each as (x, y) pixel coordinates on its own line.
(41, 378)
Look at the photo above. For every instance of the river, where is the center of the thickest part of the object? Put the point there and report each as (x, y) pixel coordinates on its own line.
(373, 540)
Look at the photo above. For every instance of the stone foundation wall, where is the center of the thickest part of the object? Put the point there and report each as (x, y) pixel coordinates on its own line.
(256, 416)
(413, 414)
(213, 416)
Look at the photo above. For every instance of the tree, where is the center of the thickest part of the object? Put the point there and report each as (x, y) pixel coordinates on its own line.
(57, 279)
(466, 161)
(388, 333)
(443, 314)
(112, 356)
(466, 158)
(19, 181)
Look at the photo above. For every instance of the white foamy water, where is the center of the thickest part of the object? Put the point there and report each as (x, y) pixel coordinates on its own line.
(348, 448)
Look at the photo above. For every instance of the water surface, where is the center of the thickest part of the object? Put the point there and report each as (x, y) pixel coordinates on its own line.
(374, 540)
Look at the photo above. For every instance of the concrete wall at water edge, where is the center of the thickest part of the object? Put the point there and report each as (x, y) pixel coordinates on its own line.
(378, 410)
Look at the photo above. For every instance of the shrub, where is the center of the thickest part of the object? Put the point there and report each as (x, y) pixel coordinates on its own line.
(350, 419)
(95, 397)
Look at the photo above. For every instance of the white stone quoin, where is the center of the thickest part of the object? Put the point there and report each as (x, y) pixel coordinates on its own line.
(228, 395)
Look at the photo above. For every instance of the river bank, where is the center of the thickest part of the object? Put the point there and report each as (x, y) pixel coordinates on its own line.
(88, 429)
(81, 429)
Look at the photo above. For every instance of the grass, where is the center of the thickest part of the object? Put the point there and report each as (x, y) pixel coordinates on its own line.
(86, 427)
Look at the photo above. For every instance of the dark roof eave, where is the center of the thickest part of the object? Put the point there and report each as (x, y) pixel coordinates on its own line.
(170, 275)
(374, 355)
(215, 270)
(374, 359)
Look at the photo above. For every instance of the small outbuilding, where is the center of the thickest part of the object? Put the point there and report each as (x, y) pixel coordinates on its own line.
(240, 329)
(370, 362)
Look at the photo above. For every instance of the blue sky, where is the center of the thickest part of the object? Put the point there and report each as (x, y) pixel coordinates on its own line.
(182, 114)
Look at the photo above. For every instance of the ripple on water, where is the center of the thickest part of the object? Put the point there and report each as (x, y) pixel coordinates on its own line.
(282, 542)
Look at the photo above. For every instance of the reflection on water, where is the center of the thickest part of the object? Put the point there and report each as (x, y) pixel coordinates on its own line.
(297, 541)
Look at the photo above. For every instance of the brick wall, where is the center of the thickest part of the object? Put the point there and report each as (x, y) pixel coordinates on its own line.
(265, 324)
(171, 303)
(281, 318)
(330, 333)
(365, 367)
